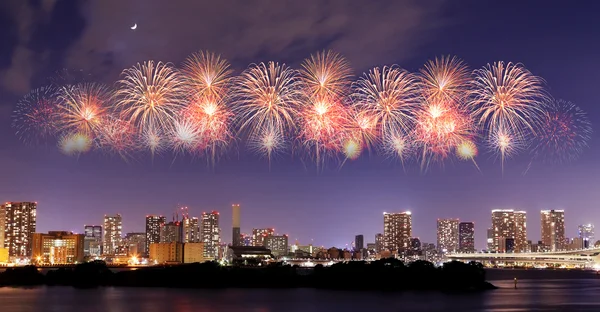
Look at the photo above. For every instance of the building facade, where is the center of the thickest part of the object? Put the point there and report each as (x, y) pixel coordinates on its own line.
(447, 235)
(211, 235)
(553, 229)
(259, 235)
(466, 237)
(397, 231)
(153, 225)
(193, 252)
(586, 233)
(236, 234)
(161, 253)
(19, 226)
(509, 226)
(92, 241)
(277, 244)
(113, 227)
(58, 247)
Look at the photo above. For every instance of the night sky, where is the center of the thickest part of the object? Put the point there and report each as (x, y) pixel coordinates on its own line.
(39, 37)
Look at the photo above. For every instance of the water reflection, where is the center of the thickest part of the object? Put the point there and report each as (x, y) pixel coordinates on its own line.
(557, 294)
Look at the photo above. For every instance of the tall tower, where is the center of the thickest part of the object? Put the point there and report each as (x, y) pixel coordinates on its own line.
(585, 232)
(191, 230)
(397, 230)
(19, 226)
(509, 226)
(553, 229)
(379, 242)
(153, 224)
(359, 242)
(211, 234)
(447, 235)
(466, 237)
(113, 226)
(236, 234)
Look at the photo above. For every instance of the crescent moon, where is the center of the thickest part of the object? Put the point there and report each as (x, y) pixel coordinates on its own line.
(134, 26)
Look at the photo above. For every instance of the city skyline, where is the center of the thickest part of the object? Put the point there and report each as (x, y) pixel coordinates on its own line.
(329, 207)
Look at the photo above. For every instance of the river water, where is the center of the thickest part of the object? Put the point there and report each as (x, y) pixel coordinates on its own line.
(581, 294)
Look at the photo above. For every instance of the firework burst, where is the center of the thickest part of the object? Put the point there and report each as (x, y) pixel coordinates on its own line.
(150, 96)
(186, 136)
(117, 136)
(467, 150)
(508, 97)
(390, 96)
(84, 108)
(74, 144)
(445, 80)
(324, 127)
(397, 146)
(269, 96)
(326, 74)
(505, 144)
(439, 130)
(268, 143)
(35, 117)
(563, 134)
(207, 75)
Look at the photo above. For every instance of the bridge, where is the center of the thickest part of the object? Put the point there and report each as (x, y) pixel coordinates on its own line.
(582, 257)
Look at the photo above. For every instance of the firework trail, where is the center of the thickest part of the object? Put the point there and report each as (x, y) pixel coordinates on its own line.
(152, 140)
(83, 108)
(390, 96)
(268, 98)
(326, 74)
(150, 96)
(563, 134)
(186, 136)
(35, 116)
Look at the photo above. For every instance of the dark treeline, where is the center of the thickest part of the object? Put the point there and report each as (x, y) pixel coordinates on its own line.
(386, 274)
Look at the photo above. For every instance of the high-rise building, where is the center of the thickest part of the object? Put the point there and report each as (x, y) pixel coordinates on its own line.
(19, 226)
(92, 241)
(171, 232)
(191, 230)
(553, 229)
(246, 240)
(277, 244)
(211, 235)
(520, 231)
(397, 231)
(378, 242)
(236, 239)
(512, 225)
(135, 244)
(359, 242)
(113, 227)
(586, 232)
(466, 237)
(2, 226)
(259, 235)
(447, 235)
(57, 247)
(153, 225)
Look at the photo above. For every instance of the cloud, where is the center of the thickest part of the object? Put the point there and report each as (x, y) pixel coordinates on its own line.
(95, 35)
(367, 32)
